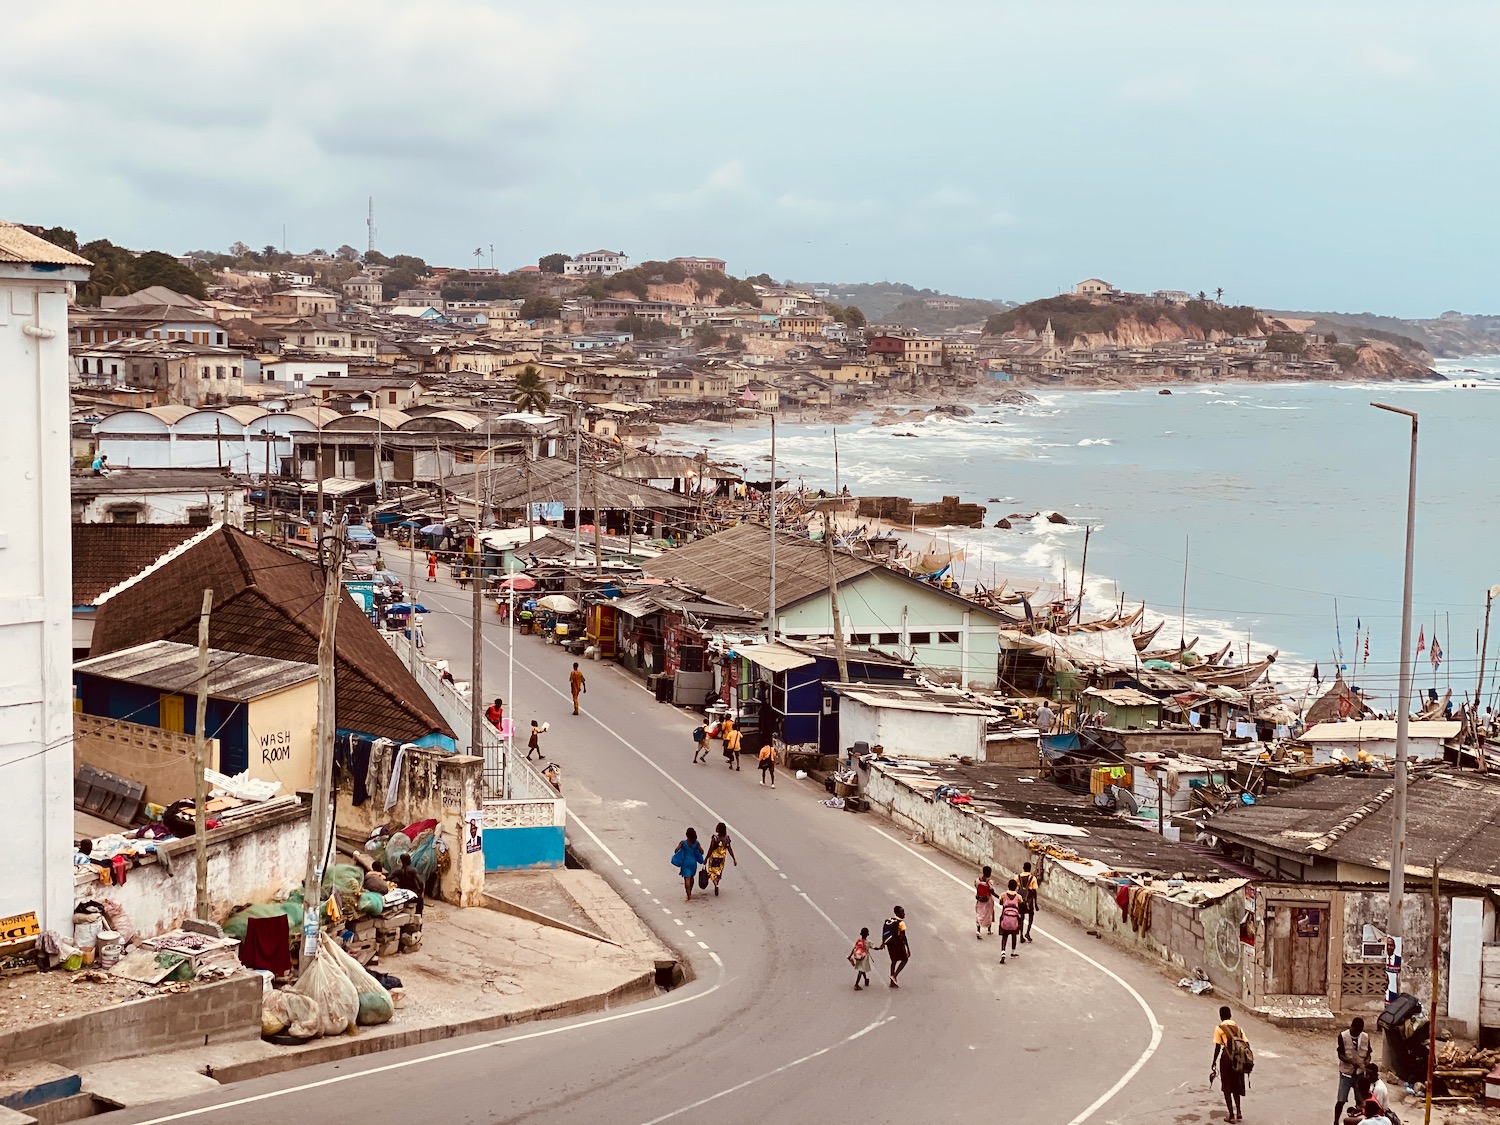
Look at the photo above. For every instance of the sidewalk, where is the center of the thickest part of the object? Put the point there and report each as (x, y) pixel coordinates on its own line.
(476, 970)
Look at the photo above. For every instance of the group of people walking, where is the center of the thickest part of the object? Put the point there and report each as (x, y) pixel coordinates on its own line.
(733, 740)
(1013, 909)
(703, 868)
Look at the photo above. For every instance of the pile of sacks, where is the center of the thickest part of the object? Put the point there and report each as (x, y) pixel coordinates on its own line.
(333, 995)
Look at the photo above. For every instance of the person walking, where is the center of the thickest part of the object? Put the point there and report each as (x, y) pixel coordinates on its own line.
(700, 745)
(1028, 885)
(577, 685)
(495, 713)
(720, 848)
(894, 940)
(984, 905)
(732, 740)
(431, 567)
(534, 742)
(1355, 1052)
(1231, 1050)
(686, 858)
(1044, 718)
(767, 761)
(859, 957)
(1010, 919)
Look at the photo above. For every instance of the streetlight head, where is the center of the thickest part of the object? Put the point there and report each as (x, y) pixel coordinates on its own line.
(1412, 414)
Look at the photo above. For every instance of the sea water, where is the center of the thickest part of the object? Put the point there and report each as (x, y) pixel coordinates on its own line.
(1288, 502)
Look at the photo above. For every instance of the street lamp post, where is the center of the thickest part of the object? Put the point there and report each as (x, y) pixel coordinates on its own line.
(1393, 927)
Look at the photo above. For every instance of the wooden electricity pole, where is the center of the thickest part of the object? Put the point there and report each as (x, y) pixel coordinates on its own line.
(200, 787)
(598, 537)
(833, 600)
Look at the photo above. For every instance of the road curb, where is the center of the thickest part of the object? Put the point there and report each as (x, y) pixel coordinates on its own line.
(642, 987)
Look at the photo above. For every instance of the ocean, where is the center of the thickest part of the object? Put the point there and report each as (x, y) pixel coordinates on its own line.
(1287, 499)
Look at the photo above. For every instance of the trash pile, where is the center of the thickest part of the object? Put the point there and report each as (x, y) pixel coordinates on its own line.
(334, 995)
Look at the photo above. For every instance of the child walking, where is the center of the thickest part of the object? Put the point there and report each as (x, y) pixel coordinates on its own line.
(859, 957)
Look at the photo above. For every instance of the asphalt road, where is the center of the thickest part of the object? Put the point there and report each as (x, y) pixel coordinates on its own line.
(770, 1028)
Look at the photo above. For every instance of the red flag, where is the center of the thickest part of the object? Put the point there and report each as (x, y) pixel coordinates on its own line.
(1367, 646)
(1421, 639)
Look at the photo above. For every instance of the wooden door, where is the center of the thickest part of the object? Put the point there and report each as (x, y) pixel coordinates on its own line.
(1489, 985)
(1309, 943)
(1279, 946)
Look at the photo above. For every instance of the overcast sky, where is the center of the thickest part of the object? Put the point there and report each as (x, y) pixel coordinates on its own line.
(1324, 155)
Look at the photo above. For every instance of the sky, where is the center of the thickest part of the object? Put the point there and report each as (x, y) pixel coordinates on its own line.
(1331, 156)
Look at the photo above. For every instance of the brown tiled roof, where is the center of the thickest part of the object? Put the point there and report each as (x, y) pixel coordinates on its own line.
(269, 602)
(105, 554)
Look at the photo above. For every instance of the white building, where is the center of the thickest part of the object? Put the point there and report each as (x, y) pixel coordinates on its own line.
(36, 574)
(197, 497)
(598, 263)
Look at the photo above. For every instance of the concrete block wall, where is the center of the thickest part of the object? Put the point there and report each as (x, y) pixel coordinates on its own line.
(162, 760)
(220, 1012)
(257, 859)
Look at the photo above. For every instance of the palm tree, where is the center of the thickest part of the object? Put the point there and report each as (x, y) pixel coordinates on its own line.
(530, 392)
(1219, 294)
(1202, 296)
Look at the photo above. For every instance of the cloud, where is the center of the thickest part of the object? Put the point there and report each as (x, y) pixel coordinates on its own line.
(1380, 59)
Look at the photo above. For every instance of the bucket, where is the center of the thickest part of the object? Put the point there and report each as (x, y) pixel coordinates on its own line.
(108, 946)
(85, 934)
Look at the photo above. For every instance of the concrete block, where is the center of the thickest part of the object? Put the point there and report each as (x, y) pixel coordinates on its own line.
(131, 1082)
(35, 1083)
(208, 929)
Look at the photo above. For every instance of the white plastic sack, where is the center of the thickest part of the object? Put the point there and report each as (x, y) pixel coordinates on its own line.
(327, 985)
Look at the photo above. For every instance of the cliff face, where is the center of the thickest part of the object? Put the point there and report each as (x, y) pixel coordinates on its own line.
(1134, 332)
(681, 292)
(1375, 359)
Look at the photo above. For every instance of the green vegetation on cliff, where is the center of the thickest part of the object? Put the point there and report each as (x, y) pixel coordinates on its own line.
(1075, 316)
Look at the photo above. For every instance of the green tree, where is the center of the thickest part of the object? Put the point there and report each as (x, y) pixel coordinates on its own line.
(268, 252)
(735, 343)
(58, 236)
(553, 263)
(705, 336)
(376, 258)
(346, 253)
(541, 308)
(854, 318)
(641, 328)
(239, 250)
(156, 268)
(530, 393)
(1344, 355)
(1288, 343)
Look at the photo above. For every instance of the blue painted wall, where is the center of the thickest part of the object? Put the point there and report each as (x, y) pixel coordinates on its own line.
(516, 849)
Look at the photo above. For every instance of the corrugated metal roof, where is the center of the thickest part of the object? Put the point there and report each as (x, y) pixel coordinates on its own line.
(775, 657)
(1124, 697)
(1378, 730)
(172, 667)
(21, 247)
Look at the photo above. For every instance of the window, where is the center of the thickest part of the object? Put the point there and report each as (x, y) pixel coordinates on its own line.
(205, 372)
(391, 397)
(859, 638)
(125, 515)
(920, 638)
(218, 337)
(218, 372)
(889, 639)
(947, 638)
(333, 374)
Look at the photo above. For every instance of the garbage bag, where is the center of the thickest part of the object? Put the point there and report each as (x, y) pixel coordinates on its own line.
(289, 1013)
(344, 876)
(424, 854)
(375, 1004)
(328, 986)
(119, 920)
(236, 924)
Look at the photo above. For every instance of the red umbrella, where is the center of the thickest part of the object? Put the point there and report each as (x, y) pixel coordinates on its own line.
(519, 582)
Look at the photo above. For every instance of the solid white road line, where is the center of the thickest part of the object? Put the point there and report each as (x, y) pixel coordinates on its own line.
(579, 821)
(356, 1075)
(1156, 1027)
(783, 1068)
(819, 909)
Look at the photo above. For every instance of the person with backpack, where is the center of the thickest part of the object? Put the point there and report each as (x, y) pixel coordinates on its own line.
(686, 858)
(1028, 885)
(1233, 1060)
(700, 745)
(984, 905)
(1010, 919)
(1355, 1052)
(859, 957)
(767, 763)
(732, 740)
(894, 940)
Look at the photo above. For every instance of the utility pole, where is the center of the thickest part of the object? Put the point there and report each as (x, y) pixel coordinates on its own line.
(317, 843)
(411, 597)
(476, 653)
(1394, 926)
(530, 524)
(1437, 915)
(773, 528)
(200, 787)
(833, 600)
(577, 481)
(598, 535)
(1484, 648)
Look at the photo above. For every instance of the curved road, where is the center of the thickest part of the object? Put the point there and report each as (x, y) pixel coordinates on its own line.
(770, 1027)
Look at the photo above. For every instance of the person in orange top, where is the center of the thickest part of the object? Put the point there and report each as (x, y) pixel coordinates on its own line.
(767, 758)
(732, 740)
(577, 684)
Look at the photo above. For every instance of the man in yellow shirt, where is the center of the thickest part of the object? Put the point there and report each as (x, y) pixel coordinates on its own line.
(577, 683)
(1225, 1066)
(732, 739)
